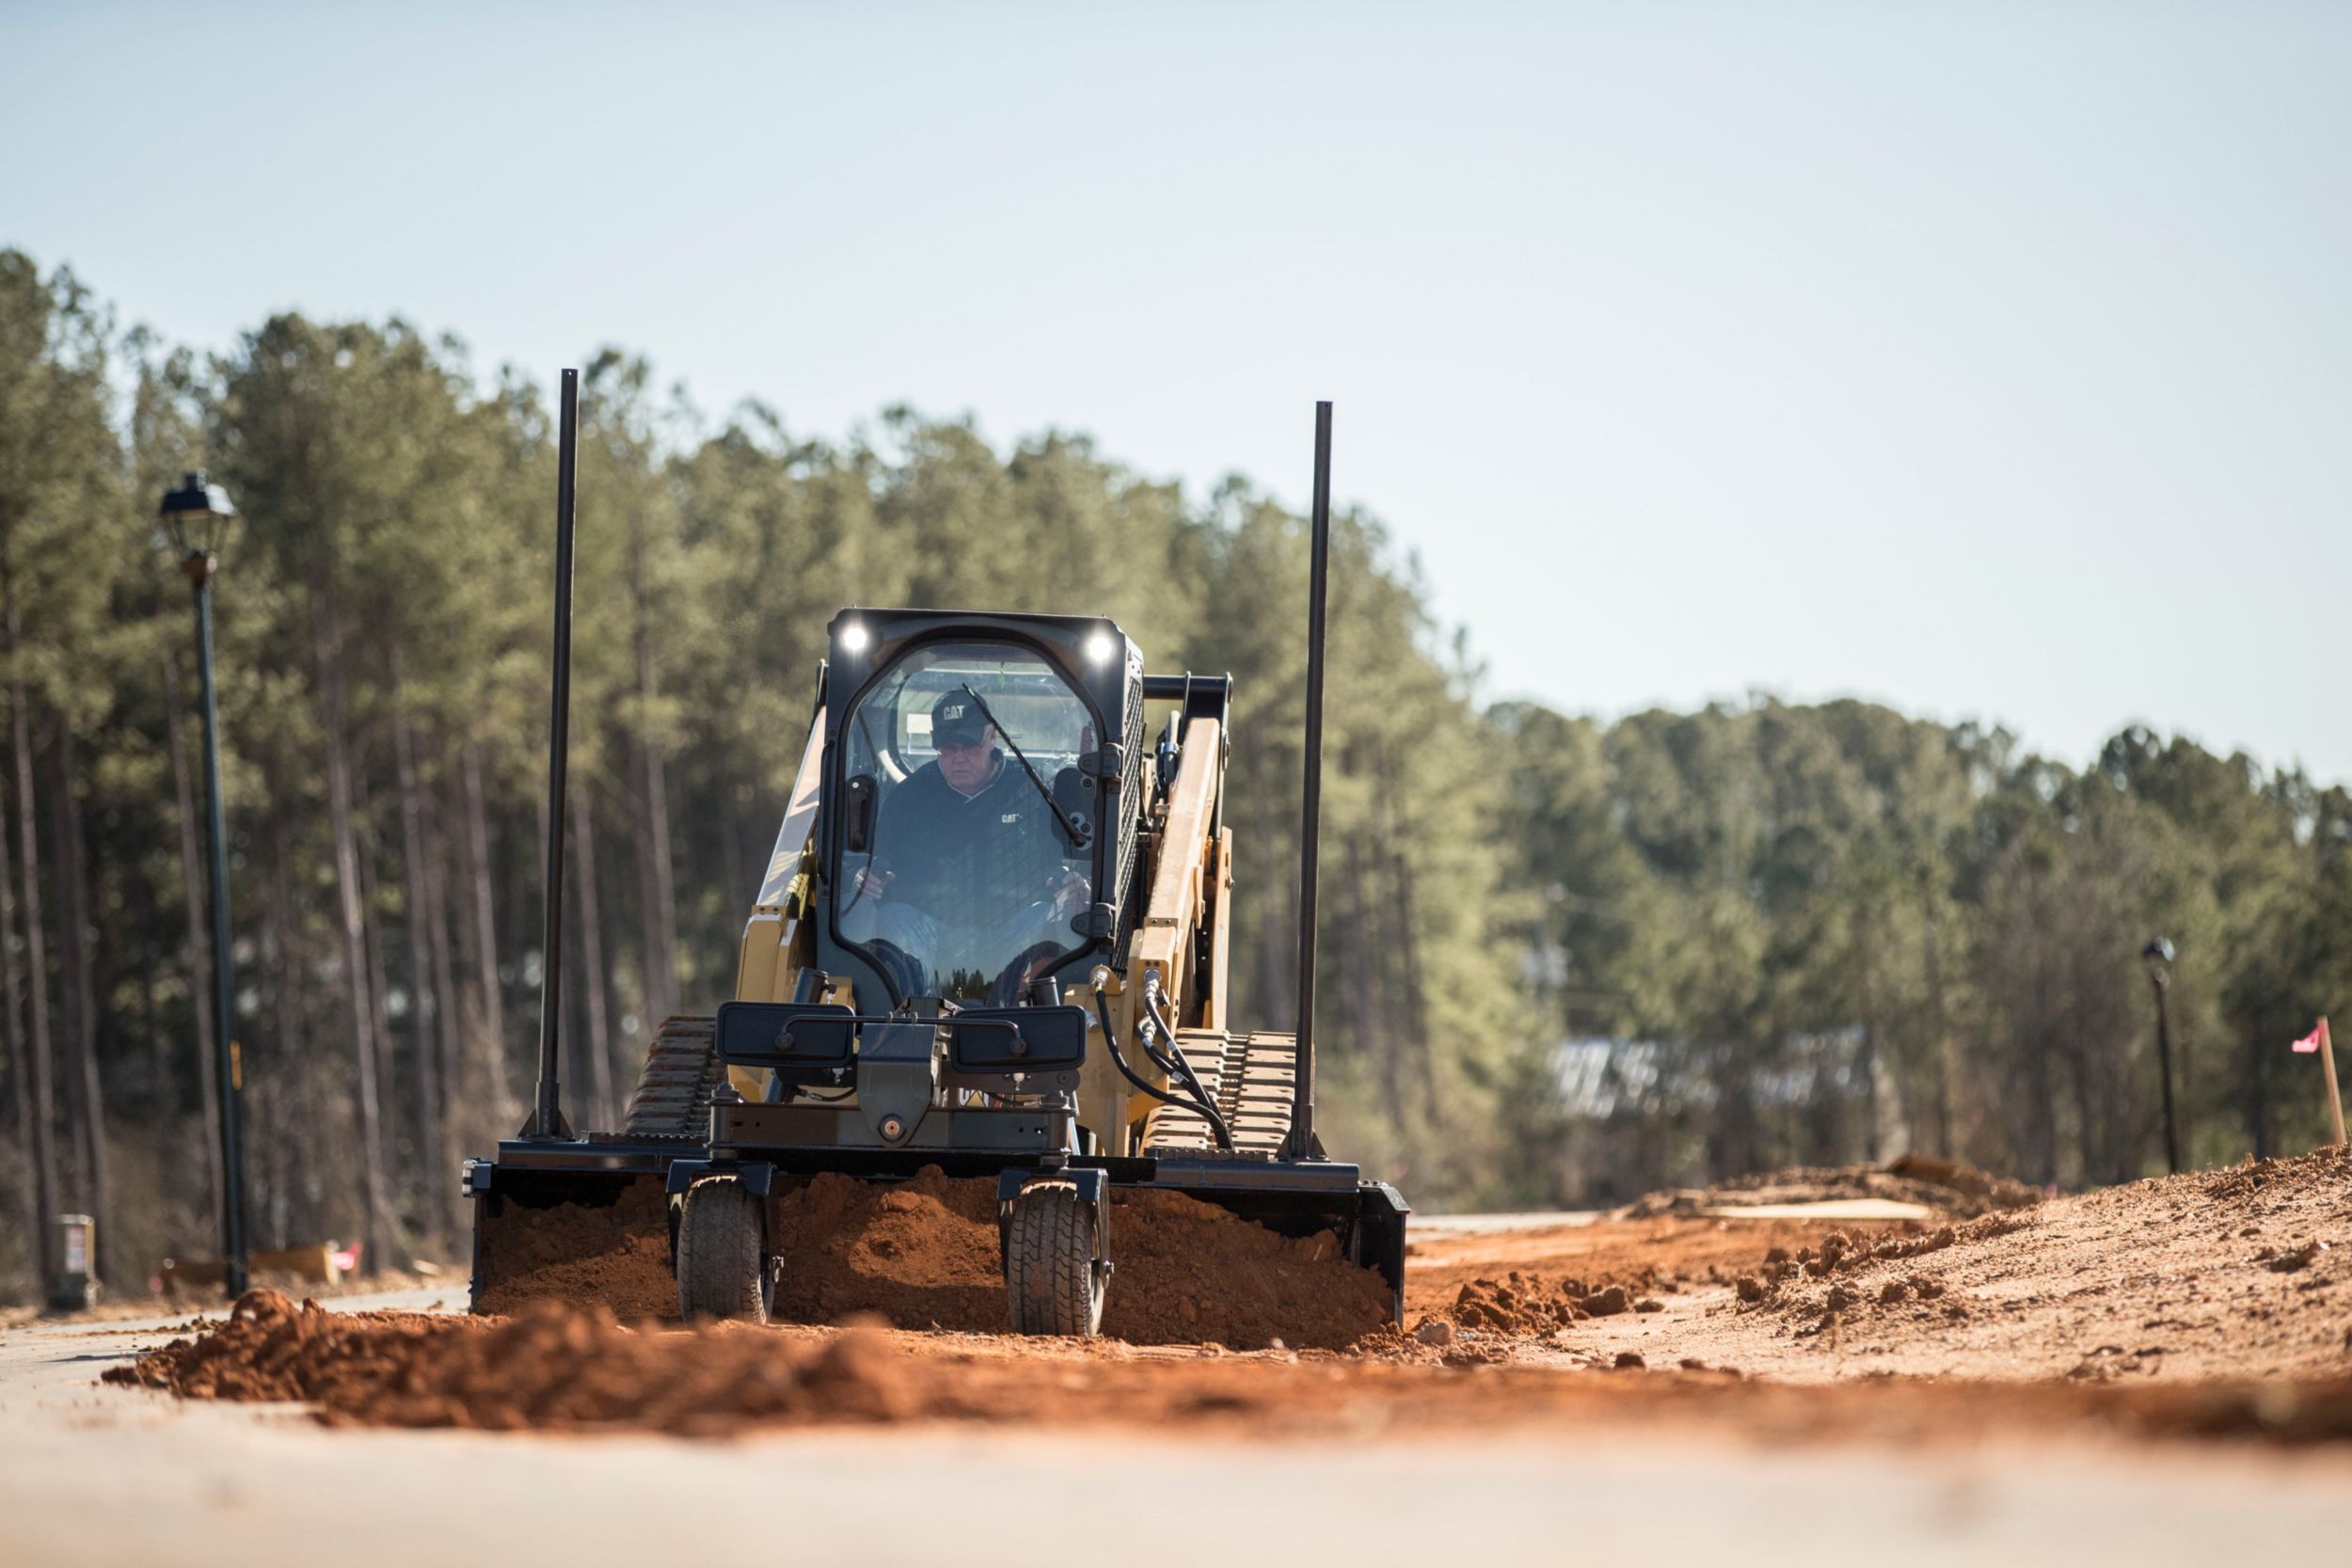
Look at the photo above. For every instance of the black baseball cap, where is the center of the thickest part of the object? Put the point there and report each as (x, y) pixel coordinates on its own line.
(956, 722)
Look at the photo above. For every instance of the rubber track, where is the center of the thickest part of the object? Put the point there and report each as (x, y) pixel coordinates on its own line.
(1049, 1262)
(682, 1071)
(1250, 1077)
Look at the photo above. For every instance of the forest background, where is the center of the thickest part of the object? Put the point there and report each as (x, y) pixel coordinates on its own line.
(1565, 960)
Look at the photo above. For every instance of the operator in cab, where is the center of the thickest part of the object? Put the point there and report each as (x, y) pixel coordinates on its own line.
(967, 870)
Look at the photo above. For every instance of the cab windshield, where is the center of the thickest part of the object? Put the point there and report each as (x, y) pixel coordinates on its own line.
(971, 874)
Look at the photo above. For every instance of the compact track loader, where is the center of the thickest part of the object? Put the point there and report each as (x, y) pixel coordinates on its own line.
(993, 937)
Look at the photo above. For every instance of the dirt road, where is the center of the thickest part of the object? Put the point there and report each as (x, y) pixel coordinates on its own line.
(2153, 1375)
(91, 1475)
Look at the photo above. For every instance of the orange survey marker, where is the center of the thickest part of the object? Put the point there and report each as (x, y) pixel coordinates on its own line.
(2318, 1040)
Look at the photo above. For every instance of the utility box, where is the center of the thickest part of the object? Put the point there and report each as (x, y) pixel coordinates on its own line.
(75, 1286)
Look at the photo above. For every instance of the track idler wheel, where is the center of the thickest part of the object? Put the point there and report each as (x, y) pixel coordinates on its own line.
(1052, 1281)
(722, 1269)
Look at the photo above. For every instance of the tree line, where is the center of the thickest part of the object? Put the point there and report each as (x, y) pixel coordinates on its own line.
(1814, 934)
(1793, 932)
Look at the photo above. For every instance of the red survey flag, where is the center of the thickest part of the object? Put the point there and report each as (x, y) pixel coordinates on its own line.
(2309, 1044)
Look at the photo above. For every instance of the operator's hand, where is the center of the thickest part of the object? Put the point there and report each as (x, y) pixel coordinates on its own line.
(874, 884)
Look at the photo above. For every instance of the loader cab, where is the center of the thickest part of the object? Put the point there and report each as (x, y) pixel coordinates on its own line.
(979, 802)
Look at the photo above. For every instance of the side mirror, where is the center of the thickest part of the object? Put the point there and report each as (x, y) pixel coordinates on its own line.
(1072, 802)
(857, 813)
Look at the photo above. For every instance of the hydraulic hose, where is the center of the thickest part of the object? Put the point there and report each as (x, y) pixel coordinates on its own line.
(1179, 1071)
(1118, 1060)
(1173, 1063)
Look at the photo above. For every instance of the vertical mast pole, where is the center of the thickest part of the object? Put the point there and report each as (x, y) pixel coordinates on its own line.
(1302, 1143)
(547, 1116)
(230, 1069)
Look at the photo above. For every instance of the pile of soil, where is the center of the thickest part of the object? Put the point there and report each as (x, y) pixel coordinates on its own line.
(917, 1254)
(1840, 1253)
(1521, 1304)
(2244, 1271)
(2214, 1303)
(614, 1256)
(1945, 1186)
(1187, 1272)
(923, 1254)
(563, 1369)
(554, 1366)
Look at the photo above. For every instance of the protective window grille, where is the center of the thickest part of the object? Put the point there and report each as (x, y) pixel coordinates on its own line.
(1131, 804)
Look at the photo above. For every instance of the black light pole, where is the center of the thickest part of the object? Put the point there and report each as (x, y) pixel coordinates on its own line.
(547, 1115)
(1302, 1143)
(2157, 955)
(197, 516)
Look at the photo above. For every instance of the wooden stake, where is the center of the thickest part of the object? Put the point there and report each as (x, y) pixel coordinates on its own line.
(2328, 1068)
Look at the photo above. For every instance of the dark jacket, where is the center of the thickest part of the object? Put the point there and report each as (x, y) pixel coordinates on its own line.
(966, 858)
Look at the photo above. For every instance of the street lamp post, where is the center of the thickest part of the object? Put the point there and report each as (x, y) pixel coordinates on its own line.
(197, 516)
(2157, 955)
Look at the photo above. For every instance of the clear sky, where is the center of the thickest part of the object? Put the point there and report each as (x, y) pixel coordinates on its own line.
(1991, 360)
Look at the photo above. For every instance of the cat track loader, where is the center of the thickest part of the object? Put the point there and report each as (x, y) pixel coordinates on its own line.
(993, 937)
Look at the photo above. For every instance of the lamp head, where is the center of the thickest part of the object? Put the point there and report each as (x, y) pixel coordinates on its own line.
(197, 516)
(2157, 955)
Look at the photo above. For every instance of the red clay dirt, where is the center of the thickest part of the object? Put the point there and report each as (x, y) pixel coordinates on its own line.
(615, 1256)
(560, 1369)
(2242, 1272)
(1950, 1189)
(2214, 1303)
(922, 1254)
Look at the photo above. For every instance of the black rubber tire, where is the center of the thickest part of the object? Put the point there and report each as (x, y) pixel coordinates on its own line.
(722, 1253)
(682, 1071)
(1051, 1283)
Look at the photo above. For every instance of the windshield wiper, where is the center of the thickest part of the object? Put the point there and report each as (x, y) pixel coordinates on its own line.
(1081, 831)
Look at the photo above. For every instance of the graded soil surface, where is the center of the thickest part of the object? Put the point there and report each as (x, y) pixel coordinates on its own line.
(2154, 1374)
(2206, 1304)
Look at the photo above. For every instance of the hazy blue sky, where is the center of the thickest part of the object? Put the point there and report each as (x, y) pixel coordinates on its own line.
(1991, 360)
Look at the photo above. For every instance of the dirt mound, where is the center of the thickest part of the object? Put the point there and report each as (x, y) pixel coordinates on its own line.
(2203, 1305)
(918, 1254)
(1945, 1186)
(1188, 1271)
(2278, 1179)
(1842, 1254)
(554, 1366)
(923, 1254)
(2219, 1274)
(1986, 1192)
(613, 1255)
(564, 1369)
(1524, 1305)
